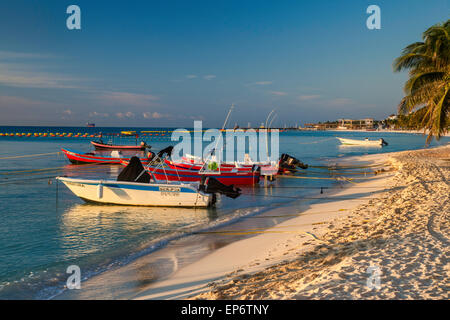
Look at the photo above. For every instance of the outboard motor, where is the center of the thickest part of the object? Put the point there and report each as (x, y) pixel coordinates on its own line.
(212, 185)
(167, 151)
(383, 142)
(289, 164)
(134, 172)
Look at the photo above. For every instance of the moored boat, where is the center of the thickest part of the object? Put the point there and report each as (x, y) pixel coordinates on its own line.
(266, 169)
(107, 146)
(115, 157)
(139, 194)
(366, 142)
(225, 177)
(158, 173)
(196, 167)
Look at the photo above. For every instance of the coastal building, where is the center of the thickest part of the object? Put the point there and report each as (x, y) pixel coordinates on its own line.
(343, 124)
(346, 124)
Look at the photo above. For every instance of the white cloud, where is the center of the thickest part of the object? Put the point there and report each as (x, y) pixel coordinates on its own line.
(22, 55)
(309, 97)
(122, 115)
(98, 114)
(262, 83)
(154, 115)
(191, 76)
(278, 93)
(209, 77)
(18, 75)
(16, 70)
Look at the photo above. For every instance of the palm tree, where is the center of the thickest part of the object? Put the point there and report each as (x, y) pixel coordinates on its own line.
(428, 87)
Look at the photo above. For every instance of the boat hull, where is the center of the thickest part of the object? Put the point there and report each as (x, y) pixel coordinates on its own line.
(227, 178)
(196, 167)
(103, 146)
(266, 170)
(137, 194)
(76, 157)
(351, 142)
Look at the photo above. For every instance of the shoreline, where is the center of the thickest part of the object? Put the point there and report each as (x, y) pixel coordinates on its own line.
(403, 232)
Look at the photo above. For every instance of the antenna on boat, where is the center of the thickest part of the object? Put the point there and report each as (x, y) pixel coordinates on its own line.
(267, 119)
(267, 134)
(218, 140)
(228, 115)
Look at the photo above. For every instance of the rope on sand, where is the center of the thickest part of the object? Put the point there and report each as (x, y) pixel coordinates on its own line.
(350, 167)
(339, 178)
(296, 214)
(253, 231)
(30, 155)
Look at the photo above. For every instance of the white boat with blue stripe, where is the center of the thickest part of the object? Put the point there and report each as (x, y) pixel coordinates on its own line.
(114, 192)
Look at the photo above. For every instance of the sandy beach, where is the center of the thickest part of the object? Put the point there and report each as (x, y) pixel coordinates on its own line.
(385, 238)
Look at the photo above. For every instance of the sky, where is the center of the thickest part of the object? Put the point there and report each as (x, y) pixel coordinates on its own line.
(168, 63)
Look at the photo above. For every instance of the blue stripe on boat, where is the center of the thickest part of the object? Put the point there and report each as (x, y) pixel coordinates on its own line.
(138, 187)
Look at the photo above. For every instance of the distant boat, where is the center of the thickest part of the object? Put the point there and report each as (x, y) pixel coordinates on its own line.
(90, 125)
(365, 142)
(128, 133)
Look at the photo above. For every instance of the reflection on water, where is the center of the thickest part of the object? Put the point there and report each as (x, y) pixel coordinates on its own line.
(90, 228)
(361, 148)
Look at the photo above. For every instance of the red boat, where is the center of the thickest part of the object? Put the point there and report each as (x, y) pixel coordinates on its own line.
(106, 146)
(227, 178)
(113, 158)
(267, 169)
(196, 167)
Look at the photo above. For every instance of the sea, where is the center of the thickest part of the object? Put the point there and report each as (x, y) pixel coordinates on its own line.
(44, 228)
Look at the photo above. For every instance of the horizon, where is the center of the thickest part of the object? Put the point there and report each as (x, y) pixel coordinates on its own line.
(161, 64)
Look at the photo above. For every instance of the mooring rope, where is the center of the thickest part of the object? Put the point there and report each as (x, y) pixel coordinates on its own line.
(25, 180)
(30, 155)
(317, 141)
(31, 170)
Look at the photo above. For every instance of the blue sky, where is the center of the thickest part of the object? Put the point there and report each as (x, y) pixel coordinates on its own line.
(166, 63)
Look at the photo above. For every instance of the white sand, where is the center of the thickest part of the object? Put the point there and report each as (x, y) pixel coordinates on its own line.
(224, 268)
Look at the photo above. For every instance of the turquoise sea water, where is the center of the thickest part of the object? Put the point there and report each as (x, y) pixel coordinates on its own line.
(44, 228)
